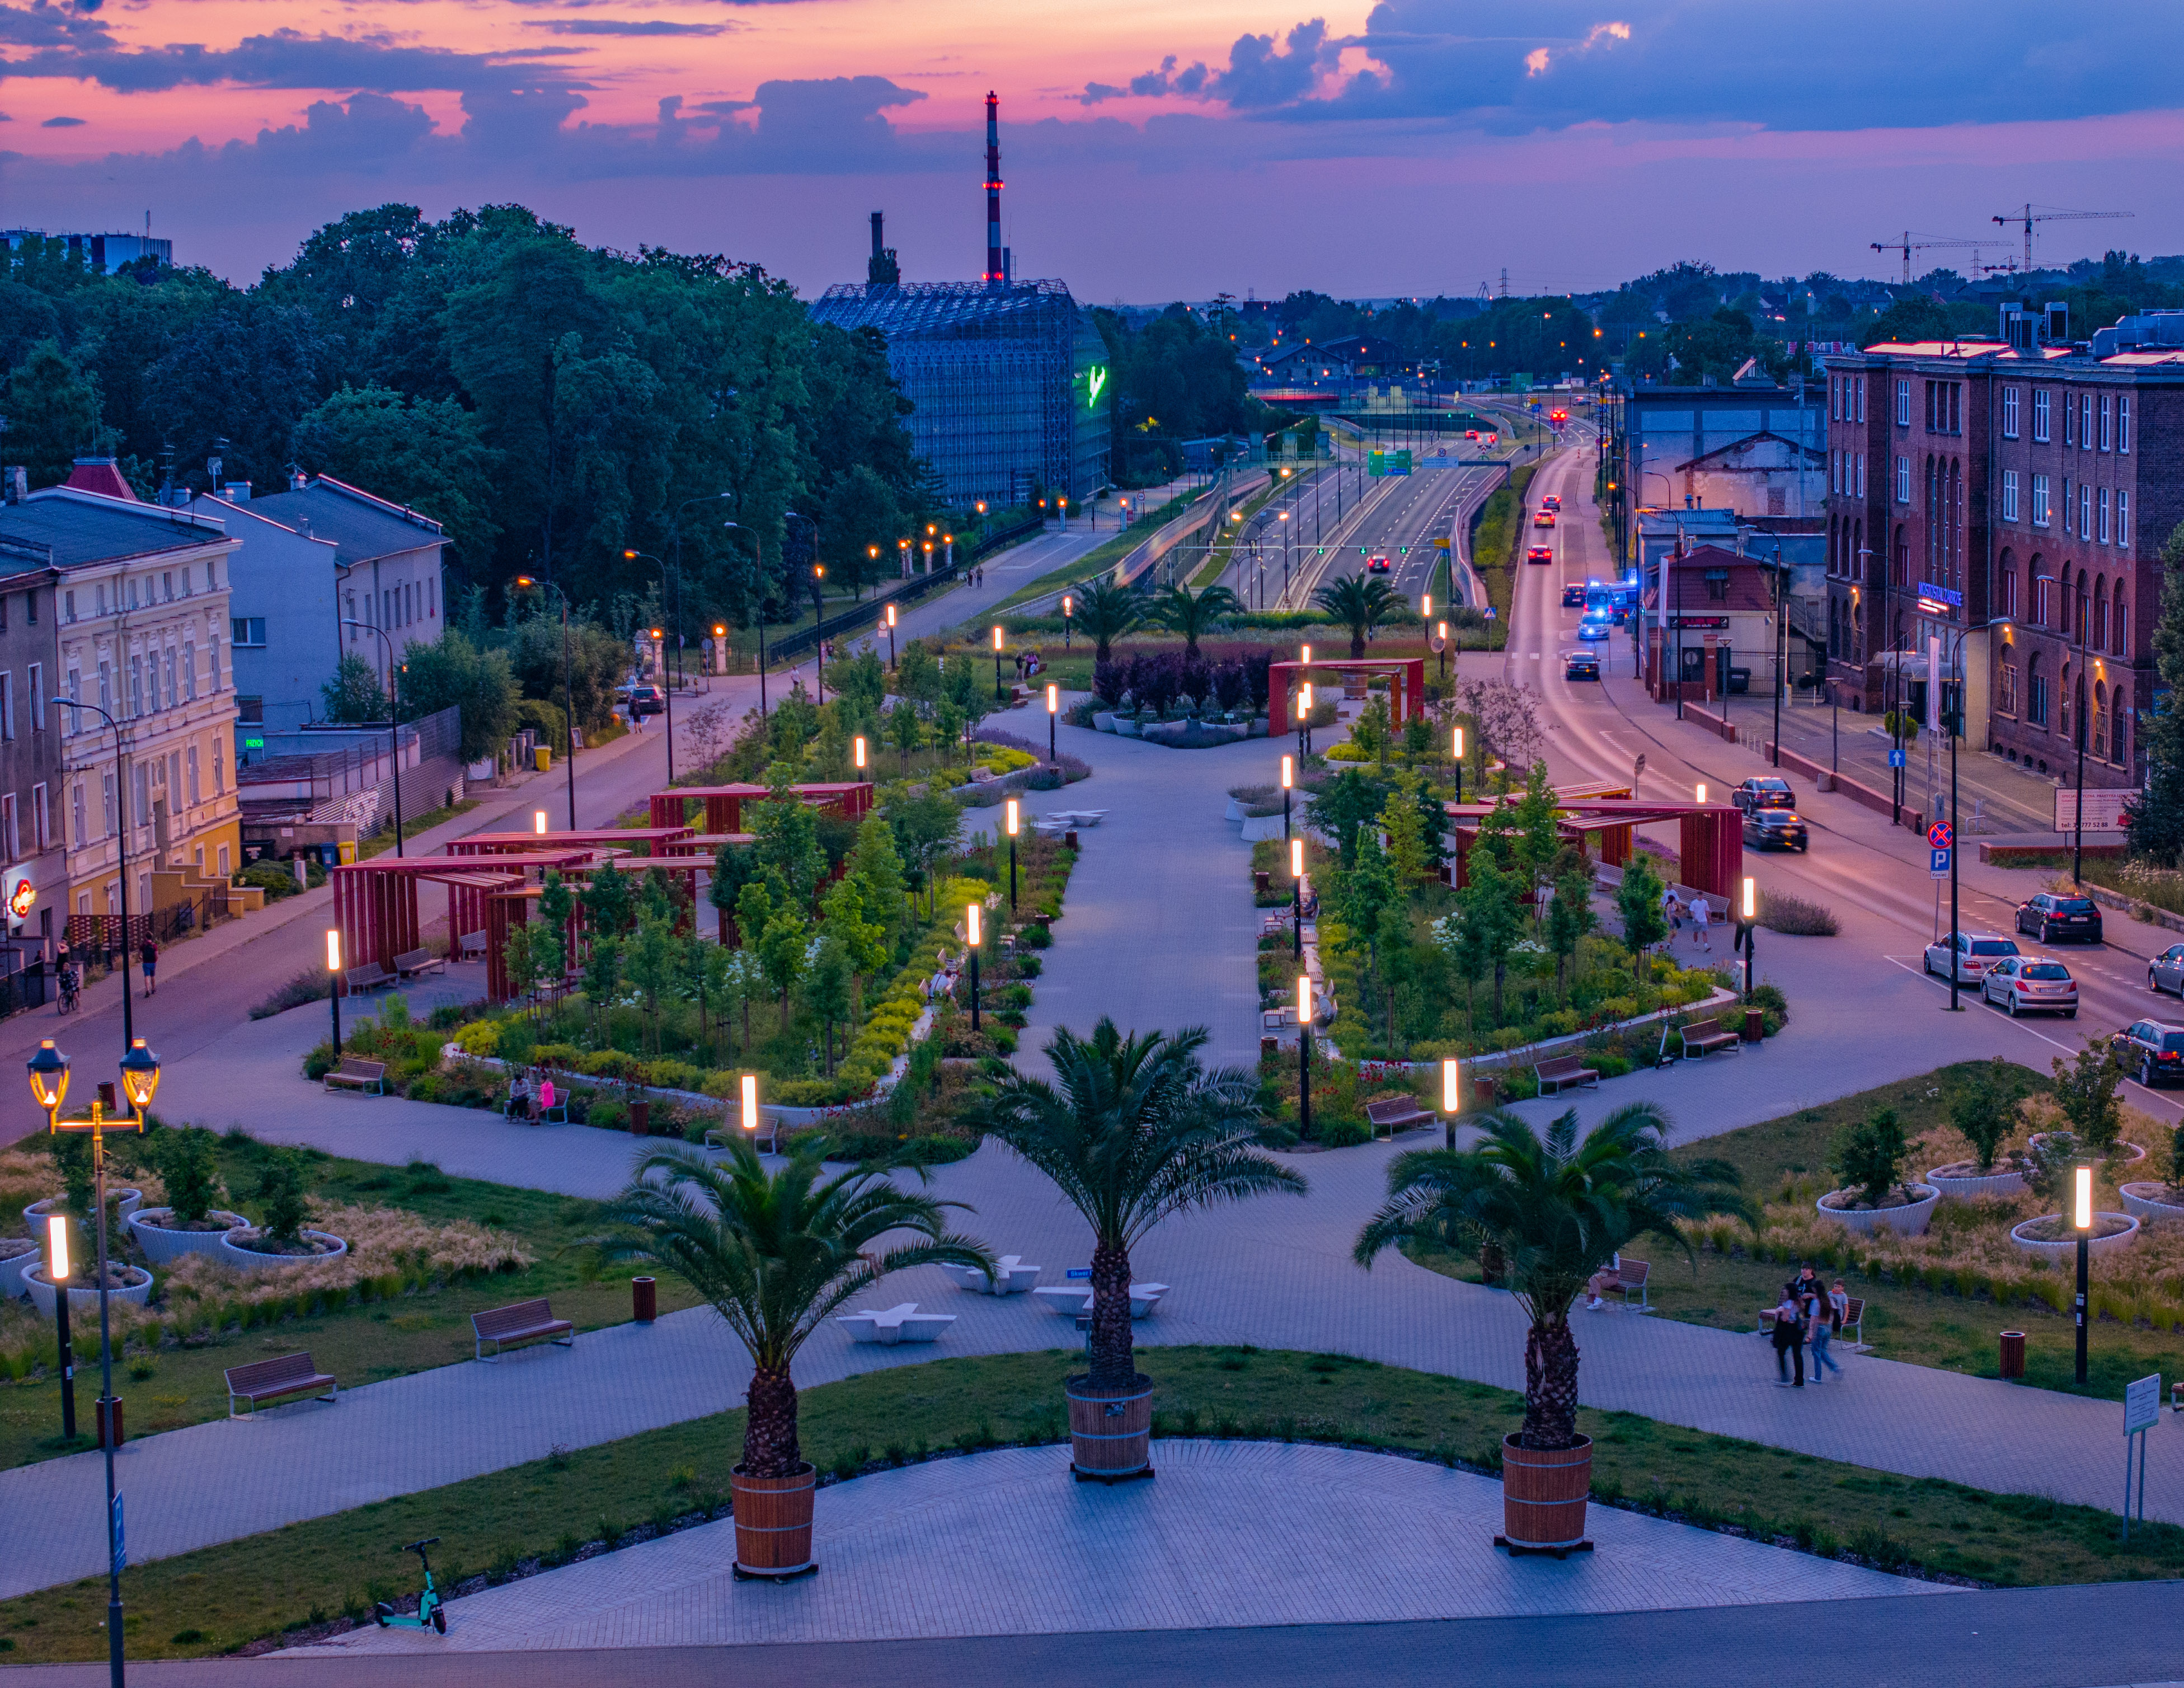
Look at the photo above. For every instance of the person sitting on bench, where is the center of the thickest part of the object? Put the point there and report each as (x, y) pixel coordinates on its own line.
(520, 1095)
(1603, 1280)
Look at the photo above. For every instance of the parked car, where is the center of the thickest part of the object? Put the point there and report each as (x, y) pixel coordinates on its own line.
(647, 700)
(2049, 917)
(1775, 829)
(1543, 518)
(1976, 951)
(2030, 984)
(2153, 1049)
(1581, 664)
(1377, 563)
(2165, 971)
(1540, 554)
(1770, 791)
(1573, 597)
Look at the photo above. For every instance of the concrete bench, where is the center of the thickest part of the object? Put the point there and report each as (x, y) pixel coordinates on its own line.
(265, 1381)
(355, 1073)
(370, 977)
(414, 963)
(894, 1325)
(470, 946)
(1396, 1113)
(1706, 1037)
(522, 1322)
(1076, 1299)
(1564, 1069)
(1011, 1277)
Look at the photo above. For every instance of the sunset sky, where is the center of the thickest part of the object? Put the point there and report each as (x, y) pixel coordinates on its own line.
(1151, 151)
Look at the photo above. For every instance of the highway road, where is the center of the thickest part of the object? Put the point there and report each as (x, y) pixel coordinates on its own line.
(1875, 876)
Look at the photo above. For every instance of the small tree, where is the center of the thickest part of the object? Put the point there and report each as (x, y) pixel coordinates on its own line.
(1570, 916)
(2086, 1093)
(280, 1196)
(1638, 900)
(190, 1166)
(1983, 1109)
(1104, 614)
(827, 987)
(906, 732)
(1491, 916)
(1869, 1157)
(355, 692)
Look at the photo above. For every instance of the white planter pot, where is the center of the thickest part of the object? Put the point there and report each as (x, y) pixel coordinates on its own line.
(11, 1274)
(83, 1302)
(1104, 720)
(251, 1260)
(160, 1244)
(34, 1216)
(1126, 726)
(2147, 1208)
(1966, 1189)
(1234, 812)
(2067, 1247)
(1910, 1220)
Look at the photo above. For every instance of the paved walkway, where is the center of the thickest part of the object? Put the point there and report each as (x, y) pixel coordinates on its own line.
(972, 1547)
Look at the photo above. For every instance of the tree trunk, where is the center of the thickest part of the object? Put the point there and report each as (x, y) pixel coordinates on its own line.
(785, 1011)
(770, 1447)
(1114, 1360)
(1550, 1385)
(830, 1049)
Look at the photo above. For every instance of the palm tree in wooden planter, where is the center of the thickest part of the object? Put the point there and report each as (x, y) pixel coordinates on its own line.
(1132, 1130)
(776, 1253)
(1559, 1210)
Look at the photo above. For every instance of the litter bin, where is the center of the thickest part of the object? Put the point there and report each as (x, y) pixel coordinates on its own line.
(541, 758)
(2013, 1353)
(644, 1300)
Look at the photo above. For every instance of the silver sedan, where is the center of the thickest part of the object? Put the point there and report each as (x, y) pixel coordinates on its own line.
(2030, 984)
(2165, 971)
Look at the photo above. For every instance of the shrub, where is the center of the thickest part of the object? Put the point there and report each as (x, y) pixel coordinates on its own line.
(607, 1114)
(1346, 752)
(2086, 1092)
(1034, 936)
(1343, 1133)
(311, 985)
(1869, 1157)
(1984, 1108)
(479, 1037)
(189, 1162)
(281, 1193)
(1795, 917)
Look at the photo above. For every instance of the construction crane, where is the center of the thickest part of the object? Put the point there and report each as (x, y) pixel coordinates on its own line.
(1913, 241)
(2050, 214)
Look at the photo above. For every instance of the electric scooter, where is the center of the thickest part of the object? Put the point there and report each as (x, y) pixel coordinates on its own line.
(429, 1610)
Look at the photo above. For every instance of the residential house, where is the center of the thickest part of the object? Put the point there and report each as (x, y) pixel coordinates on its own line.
(284, 629)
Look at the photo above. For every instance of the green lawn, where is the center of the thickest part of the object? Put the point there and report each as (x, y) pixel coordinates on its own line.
(182, 1384)
(563, 1504)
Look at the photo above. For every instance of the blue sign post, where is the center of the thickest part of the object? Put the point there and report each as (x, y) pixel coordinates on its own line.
(1941, 863)
(1896, 757)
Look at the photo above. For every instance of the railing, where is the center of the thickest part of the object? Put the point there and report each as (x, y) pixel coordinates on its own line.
(101, 934)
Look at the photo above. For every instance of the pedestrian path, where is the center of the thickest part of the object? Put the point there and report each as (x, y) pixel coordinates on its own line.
(975, 1546)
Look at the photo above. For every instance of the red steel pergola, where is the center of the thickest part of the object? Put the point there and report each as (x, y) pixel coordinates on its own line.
(623, 840)
(1407, 682)
(724, 804)
(1710, 848)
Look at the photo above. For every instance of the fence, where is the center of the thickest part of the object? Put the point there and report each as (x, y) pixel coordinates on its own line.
(101, 934)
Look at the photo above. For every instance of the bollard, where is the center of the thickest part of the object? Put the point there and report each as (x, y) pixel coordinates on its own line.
(644, 1300)
(2013, 1353)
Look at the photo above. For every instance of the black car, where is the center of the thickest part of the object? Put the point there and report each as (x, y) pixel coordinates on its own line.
(646, 701)
(2153, 1049)
(2050, 915)
(1770, 791)
(1581, 664)
(1574, 596)
(1775, 829)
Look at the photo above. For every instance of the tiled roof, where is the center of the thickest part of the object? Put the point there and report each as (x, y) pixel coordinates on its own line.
(101, 474)
(78, 529)
(362, 528)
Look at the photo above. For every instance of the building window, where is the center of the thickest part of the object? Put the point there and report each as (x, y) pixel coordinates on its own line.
(41, 819)
(2063, 705)
(352, 617)
(11, 831)
(247, 629)
(223, 861)
(2043, 595)
(2005, 698)
(2123, 422)
(1903, 403)
(2085, 422)
(140, 784)
(2118, 624)
(136, 685)
(106, 800)
(219, 771)
(174, 692)
(189, 670)
(250, 711)
(6, 705)
(2123, 517)
(37, 697)
(2069, 438)
(2104, 516)
(1860, 474)
(2041, 397)
(2097, 721)
(82, 826)
(2009, 495)
(67, 606)
(432, 599)
(2006, 585)
(2041, 513)
(105, 685)
(2009, 413)
(212, 659)
(195, 799)
(1903, 480)
(2085, 511)
(2108, 435)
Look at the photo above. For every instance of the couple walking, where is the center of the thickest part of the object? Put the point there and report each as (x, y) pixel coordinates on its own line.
(1807, 1315)
(1701, 918)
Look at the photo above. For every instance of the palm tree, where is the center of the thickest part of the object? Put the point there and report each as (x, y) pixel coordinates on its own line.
(775, 1254)
(1107, 612)
(1180, 612)
(1360, 602)
(1559, 1210)
(1132, 1130)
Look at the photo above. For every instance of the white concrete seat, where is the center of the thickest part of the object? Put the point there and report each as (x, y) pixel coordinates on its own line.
(896, 1324)
(1011, 1277)
(1078, 1299)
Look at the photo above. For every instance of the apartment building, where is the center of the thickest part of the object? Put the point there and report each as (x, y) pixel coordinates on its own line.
(135, 620)
(33, 881)
(2009, 498)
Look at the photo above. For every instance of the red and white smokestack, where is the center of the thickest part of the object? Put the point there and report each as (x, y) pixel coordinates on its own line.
(993, 273)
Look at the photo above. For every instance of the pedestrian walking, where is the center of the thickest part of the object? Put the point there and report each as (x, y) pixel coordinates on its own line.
(148, 958)
(1672, 912)
(1789, 1343)
(1820, 1331)
(1702, 918)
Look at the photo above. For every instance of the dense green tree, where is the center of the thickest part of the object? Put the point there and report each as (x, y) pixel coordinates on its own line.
(1193, 614)
(1638, 900)
(355, 692)
(52, 413)
(424, 452)
(1493, 916)
(453, 672)
(2155, 819)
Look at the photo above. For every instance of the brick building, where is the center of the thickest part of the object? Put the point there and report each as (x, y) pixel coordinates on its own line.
(2009, 498)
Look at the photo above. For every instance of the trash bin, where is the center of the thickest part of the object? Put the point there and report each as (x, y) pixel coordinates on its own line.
(542, 758)
(644, 1300)
(1755, 1026)
(2013, 1353)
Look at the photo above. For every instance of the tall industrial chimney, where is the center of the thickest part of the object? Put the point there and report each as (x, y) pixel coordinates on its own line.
(882, 270)
(996, 274)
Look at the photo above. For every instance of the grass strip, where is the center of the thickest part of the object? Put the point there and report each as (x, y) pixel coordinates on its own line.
(1104, 555)
(1498, 533)
(564, 1506)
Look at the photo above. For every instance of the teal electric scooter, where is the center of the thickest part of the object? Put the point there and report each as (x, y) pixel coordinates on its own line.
(429, 1610)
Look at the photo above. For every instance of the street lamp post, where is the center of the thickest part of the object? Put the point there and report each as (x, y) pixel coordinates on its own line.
(140, 1082)
(1450, 1102)
(675, 623)
(1012, 820)
(1297, 893)
(1747, 930)
(1304, 1055)
(121, 848)
(1458, 747)
(1289, 782)
(334, 975)
(970, 932)
(569, 694)
(1053, 714)
(890, 626)
(2082, 1221)
(1068, 609)
(999, 695)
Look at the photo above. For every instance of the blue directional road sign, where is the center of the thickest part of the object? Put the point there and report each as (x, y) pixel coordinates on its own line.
(1896, 757)
(1940, 867)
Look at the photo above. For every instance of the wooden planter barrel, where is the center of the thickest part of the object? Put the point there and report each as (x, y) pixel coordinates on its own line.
(1110, 1431)
(773, 1522)
(2013, 1353)
(1543, 1497)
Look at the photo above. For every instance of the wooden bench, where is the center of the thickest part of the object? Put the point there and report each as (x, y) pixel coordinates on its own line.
(355, 1073)
(263, 1381)
(1563, 1069)
(1706, 1037)
(522, 1322)
(470, 946)
(1396, 1113)
(411, 963)
(1631, 1274)
(1854, 1321)
(370, 977)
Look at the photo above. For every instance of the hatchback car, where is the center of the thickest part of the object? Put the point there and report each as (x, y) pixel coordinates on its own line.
(1573, 597)
(2152, 1049)
(648, 700)
(1581, 664)
(1775, 829)
(2049, 917)
(1768, 792)
(1539, 554)
(1377, 563)
(2030, 984)
(1543, 518)
(1976, 951)
(2165, 971)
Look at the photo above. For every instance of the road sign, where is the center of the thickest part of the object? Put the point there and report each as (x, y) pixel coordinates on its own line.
(2141, 1405)
(1939, 835)
(1896, 757)
(1077, 1272)
(1940, 867)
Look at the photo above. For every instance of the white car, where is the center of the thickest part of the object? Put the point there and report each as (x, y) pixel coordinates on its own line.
(1976, 951)
(2030, 984)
